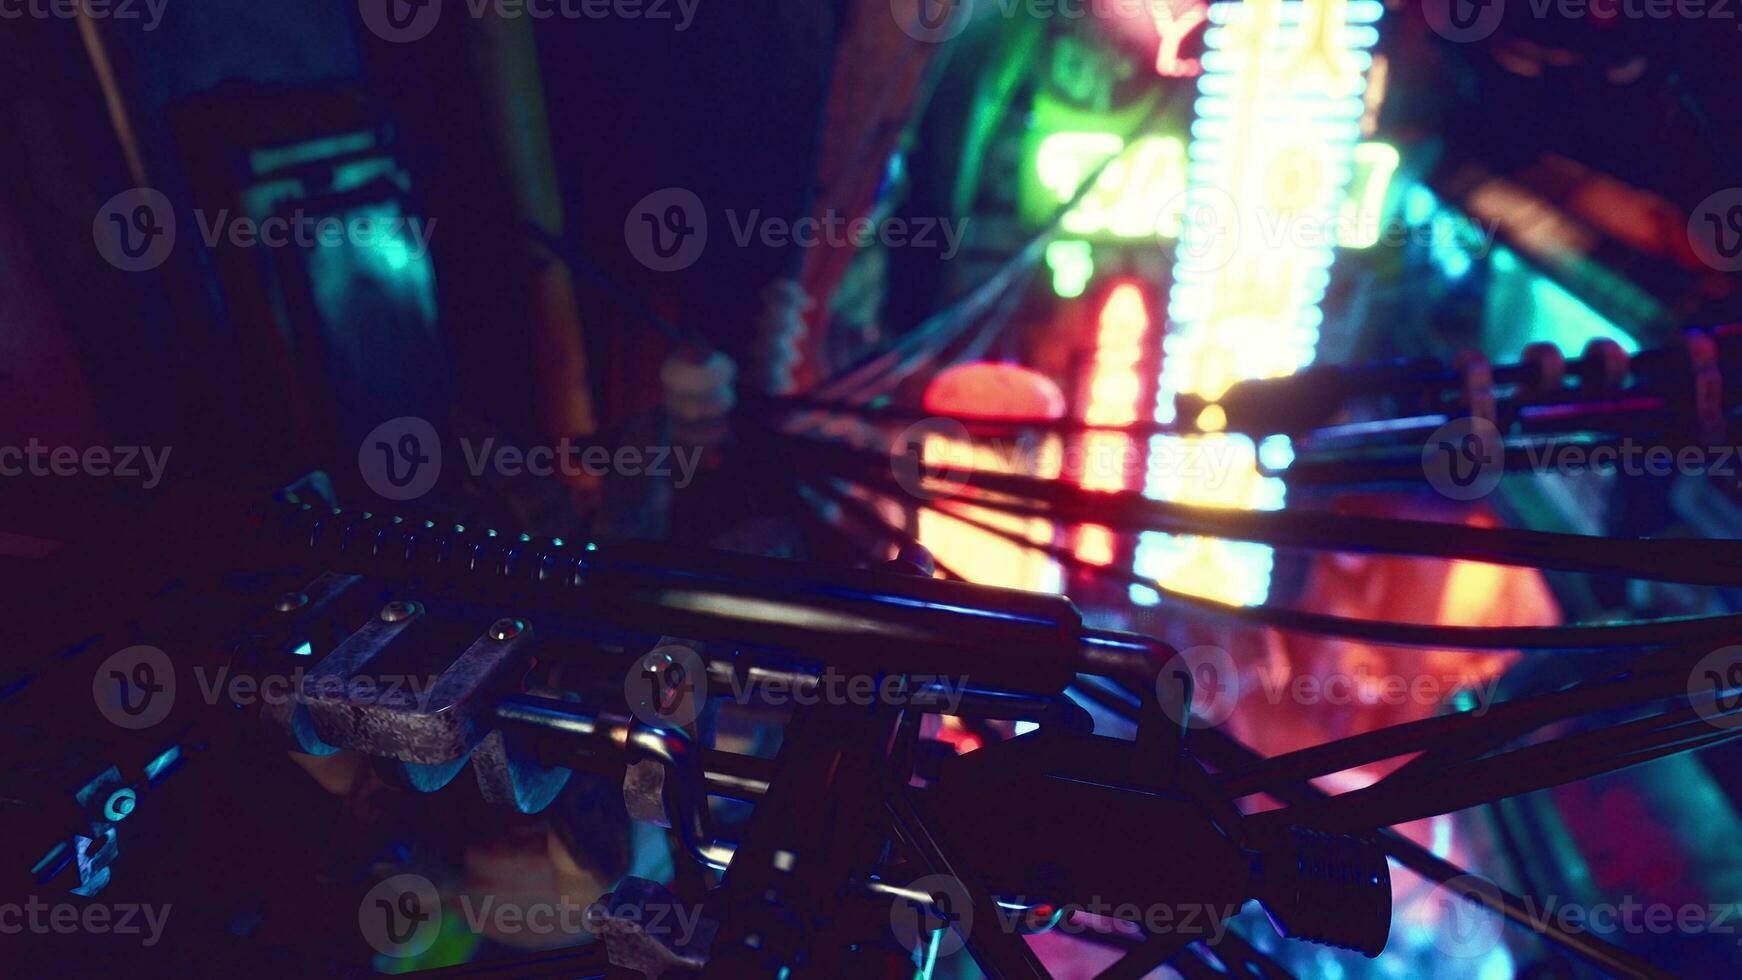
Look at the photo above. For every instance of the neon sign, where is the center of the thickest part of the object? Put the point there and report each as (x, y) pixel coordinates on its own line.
(1271, 159)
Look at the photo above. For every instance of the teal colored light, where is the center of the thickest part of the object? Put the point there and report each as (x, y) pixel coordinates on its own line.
(1562, 319)
(53, 855)
(1497, 965)
(1526, 307)
(1419, 205)
(395, 254)
(306, 650)
(279, 158)
(162, 762)
(1276, 453)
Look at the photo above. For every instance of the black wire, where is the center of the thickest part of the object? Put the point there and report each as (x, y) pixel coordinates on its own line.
(1636, 635)
(1715, 562)
(962, 313)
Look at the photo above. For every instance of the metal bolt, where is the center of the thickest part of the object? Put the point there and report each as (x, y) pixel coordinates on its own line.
(399, 610)
(507, 629)
(291, 602)
(120, 804)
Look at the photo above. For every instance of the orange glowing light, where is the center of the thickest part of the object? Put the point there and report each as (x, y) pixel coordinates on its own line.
(993, 391)
(1115, 389)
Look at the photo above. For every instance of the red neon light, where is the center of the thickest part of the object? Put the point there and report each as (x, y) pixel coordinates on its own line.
(1174, 26)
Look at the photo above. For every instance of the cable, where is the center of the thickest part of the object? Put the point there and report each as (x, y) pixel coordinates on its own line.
(1692, 561)
(1636, 635)
(864, 378)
